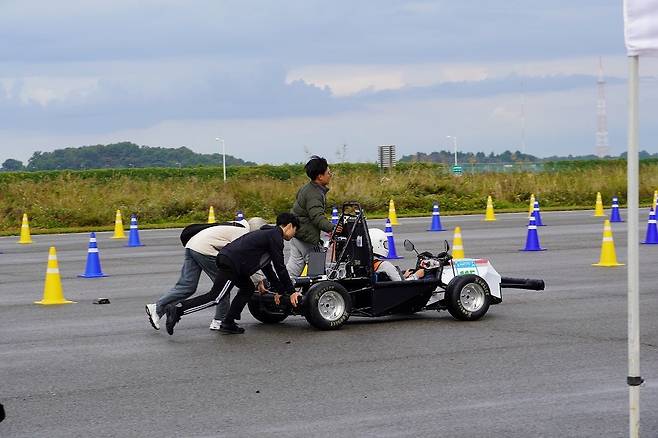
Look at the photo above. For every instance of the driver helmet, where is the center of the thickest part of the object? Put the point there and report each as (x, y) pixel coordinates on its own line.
(379, 242)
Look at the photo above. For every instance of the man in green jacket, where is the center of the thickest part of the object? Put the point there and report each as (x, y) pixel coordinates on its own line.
(309, 207)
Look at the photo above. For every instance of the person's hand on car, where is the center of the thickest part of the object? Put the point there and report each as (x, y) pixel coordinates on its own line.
(261, 288)
(294, 298)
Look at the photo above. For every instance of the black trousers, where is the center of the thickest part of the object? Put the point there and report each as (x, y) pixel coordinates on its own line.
(224, 281)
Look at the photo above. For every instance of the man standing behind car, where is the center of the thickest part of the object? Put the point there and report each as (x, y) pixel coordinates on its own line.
(309, 207)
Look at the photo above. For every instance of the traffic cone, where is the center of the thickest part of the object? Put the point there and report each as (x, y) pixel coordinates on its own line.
(489, 215)
(537, 215)
(334, 215)
(457, 244)
(25, 231)
(608, 257)
(436, 219)
(211, 215)
(392, 253)
(52, 289)
(118, 227)
(614, 214)
(93, 267)
(652, 232)
(393, 217)
(598, 209)
(239, 216)
(655, 199)
(531, 207)
(532, 240)
(133, 237)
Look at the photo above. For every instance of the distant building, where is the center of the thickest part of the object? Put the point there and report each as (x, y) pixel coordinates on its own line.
(387, 158)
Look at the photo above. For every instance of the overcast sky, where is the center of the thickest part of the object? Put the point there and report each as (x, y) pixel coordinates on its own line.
(278, 78)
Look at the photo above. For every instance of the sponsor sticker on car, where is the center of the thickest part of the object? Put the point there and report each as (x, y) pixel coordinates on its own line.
(465, 266)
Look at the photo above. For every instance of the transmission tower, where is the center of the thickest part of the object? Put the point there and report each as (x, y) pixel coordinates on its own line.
(602, 147)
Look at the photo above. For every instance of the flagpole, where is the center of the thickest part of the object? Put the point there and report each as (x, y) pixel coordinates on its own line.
(633, 380)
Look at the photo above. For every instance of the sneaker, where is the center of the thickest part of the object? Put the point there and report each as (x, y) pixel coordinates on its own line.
(231, 329)
(153, 317)
(214, 325)
(173, 316)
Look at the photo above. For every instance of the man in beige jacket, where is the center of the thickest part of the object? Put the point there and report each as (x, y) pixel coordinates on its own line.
(200, 254)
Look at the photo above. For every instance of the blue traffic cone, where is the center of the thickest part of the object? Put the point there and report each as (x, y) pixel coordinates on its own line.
(334, 215)
(392, 253)
(239, 216)
(532, 241)
(537, 215)
(133, 237)
(436, 219)
(614, 214)
(93, 267)
(652, 231)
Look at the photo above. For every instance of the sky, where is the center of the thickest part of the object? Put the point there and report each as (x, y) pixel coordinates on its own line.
(281, 79)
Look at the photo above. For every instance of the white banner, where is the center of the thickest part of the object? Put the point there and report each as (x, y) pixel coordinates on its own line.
(641, 27)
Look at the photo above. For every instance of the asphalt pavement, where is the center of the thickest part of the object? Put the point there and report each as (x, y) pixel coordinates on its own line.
(540, 364)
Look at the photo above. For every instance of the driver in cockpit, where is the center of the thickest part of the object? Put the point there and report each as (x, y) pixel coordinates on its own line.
(384, 269)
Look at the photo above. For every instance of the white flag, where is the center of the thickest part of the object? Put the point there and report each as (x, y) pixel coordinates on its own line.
(641, 27)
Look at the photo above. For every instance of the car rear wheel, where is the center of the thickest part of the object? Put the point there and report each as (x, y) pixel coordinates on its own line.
(264, 313)
(468, 297)
(327, 305)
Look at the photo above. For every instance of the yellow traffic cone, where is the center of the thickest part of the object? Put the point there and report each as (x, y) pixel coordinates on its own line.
(25, 231)
(489, 215)
(598, 210)
(118, 227)
(655, 199)
(305, 271)
(457, 244)
(608, 255)
(211, 215)
(52, 289)
(532, 204)
(391, 213)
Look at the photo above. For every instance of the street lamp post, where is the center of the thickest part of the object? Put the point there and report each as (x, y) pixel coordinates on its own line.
(223, 156)
(454, 144)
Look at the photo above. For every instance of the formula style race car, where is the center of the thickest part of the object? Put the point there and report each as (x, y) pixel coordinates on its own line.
(342, 282)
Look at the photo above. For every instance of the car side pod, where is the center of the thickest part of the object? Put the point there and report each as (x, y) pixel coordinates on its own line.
(651, 237)
(532, 240)
(522, 283)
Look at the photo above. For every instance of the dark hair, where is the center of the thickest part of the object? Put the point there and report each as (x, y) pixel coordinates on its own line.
(286, 218)
(316, 166)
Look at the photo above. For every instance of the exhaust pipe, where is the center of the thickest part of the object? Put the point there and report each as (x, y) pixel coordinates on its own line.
(521, 283)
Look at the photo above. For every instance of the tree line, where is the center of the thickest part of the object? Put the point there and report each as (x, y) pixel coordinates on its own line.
(447, 157)
(118, 155)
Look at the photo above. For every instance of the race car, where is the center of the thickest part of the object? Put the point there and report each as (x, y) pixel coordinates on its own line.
(342, 283)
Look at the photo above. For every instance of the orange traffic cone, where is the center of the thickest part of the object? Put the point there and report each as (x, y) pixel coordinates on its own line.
(52, 289)
(608, 256)
(25, 231)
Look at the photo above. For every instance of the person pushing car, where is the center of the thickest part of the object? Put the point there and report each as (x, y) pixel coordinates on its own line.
(236, 262)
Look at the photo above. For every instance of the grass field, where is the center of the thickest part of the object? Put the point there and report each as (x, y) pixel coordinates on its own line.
(59, 201)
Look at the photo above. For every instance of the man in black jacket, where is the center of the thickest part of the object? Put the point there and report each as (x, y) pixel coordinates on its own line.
(236, 262)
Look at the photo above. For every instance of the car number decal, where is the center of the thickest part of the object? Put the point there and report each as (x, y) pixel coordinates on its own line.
(463, 267)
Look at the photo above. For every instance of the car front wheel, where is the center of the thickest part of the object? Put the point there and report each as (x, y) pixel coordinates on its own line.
(468, 297)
